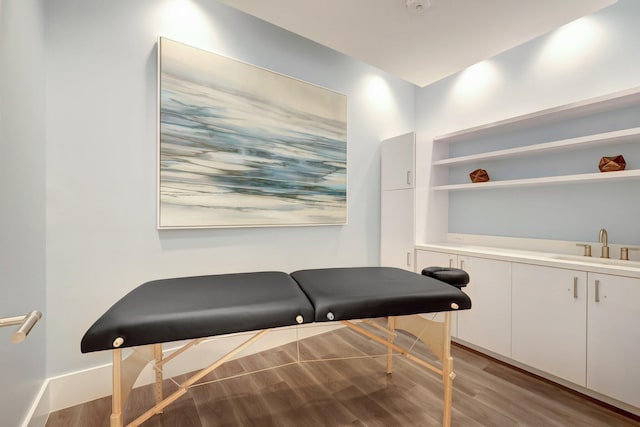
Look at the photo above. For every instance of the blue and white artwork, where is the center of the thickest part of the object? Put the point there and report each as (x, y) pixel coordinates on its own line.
(241, 146)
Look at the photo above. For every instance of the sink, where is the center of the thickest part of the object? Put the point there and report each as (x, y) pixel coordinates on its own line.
(596, 260)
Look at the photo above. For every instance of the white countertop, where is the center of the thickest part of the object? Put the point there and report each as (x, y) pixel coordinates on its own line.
(549, 259)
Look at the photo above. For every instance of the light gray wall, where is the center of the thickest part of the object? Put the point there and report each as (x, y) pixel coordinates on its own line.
(101, 158)
(100, 103)
(593, 56)
(22, 192)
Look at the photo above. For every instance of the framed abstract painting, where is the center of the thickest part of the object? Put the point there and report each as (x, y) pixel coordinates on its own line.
(241, 146)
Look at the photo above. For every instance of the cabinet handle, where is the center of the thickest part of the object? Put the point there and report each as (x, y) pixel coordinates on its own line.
(409, 258)
(409, 177)
(575, 287)
(597, 290)
(462, 264)
(450, 262)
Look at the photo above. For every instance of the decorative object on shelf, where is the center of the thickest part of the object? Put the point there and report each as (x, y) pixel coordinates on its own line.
(611, 164)
(479, 175)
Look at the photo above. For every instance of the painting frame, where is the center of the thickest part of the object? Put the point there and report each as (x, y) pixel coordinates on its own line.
(243, 146)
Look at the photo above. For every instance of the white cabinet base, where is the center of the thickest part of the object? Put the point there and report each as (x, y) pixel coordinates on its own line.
(573, 326)
(488, 322)
(438, 259)
(613, 359)
(548, 321)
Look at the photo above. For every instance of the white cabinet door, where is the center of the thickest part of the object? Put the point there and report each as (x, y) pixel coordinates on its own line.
(488, 323)
(439, 259)
(396, 229)
(549, 314)
(434, 259)
(613, 337)
(397, 162)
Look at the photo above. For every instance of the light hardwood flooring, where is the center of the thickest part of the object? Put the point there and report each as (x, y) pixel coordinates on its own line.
(357, 392)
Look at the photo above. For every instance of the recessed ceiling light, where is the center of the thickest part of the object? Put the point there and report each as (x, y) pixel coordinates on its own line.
(418, 6)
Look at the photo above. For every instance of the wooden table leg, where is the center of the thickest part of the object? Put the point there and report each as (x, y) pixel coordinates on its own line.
(116, 399)
(447, 371)
(391, 325)
(157, 355)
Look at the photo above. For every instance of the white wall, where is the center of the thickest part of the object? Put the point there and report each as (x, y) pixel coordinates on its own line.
(593, 56)
(22, 192)
(101, 157)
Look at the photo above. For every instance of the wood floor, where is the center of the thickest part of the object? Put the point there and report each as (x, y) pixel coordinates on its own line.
(357, 392)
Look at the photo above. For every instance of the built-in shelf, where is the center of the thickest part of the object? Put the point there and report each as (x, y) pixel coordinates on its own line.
(607, 102)
(626, 135)
(548, 180)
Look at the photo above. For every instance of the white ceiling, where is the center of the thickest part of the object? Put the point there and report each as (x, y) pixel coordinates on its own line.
(420, 48)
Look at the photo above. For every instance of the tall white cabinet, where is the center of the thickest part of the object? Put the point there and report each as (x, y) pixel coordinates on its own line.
(397, 203)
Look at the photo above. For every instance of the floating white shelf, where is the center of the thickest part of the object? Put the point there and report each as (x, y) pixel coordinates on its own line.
(610, 102)
(607, 102)
(625, 135)
(549, 180)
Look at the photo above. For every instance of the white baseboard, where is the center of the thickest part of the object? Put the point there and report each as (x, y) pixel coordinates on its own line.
(79, 387)
(39, 412)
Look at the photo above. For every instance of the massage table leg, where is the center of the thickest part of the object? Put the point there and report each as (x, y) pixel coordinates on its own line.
(391, 324)
(159, 407)
(157, 355)
(125, 373)
(447, 371)
(436, 335)
(116, 399)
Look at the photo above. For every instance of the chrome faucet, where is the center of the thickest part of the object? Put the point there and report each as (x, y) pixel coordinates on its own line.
(603, 238)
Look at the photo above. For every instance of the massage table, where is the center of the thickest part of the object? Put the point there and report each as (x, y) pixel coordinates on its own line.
(194, 308)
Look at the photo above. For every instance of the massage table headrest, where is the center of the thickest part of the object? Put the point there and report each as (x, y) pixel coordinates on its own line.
(453, 276)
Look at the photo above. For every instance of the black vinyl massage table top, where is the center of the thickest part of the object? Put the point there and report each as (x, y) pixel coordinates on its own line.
(202, 306)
